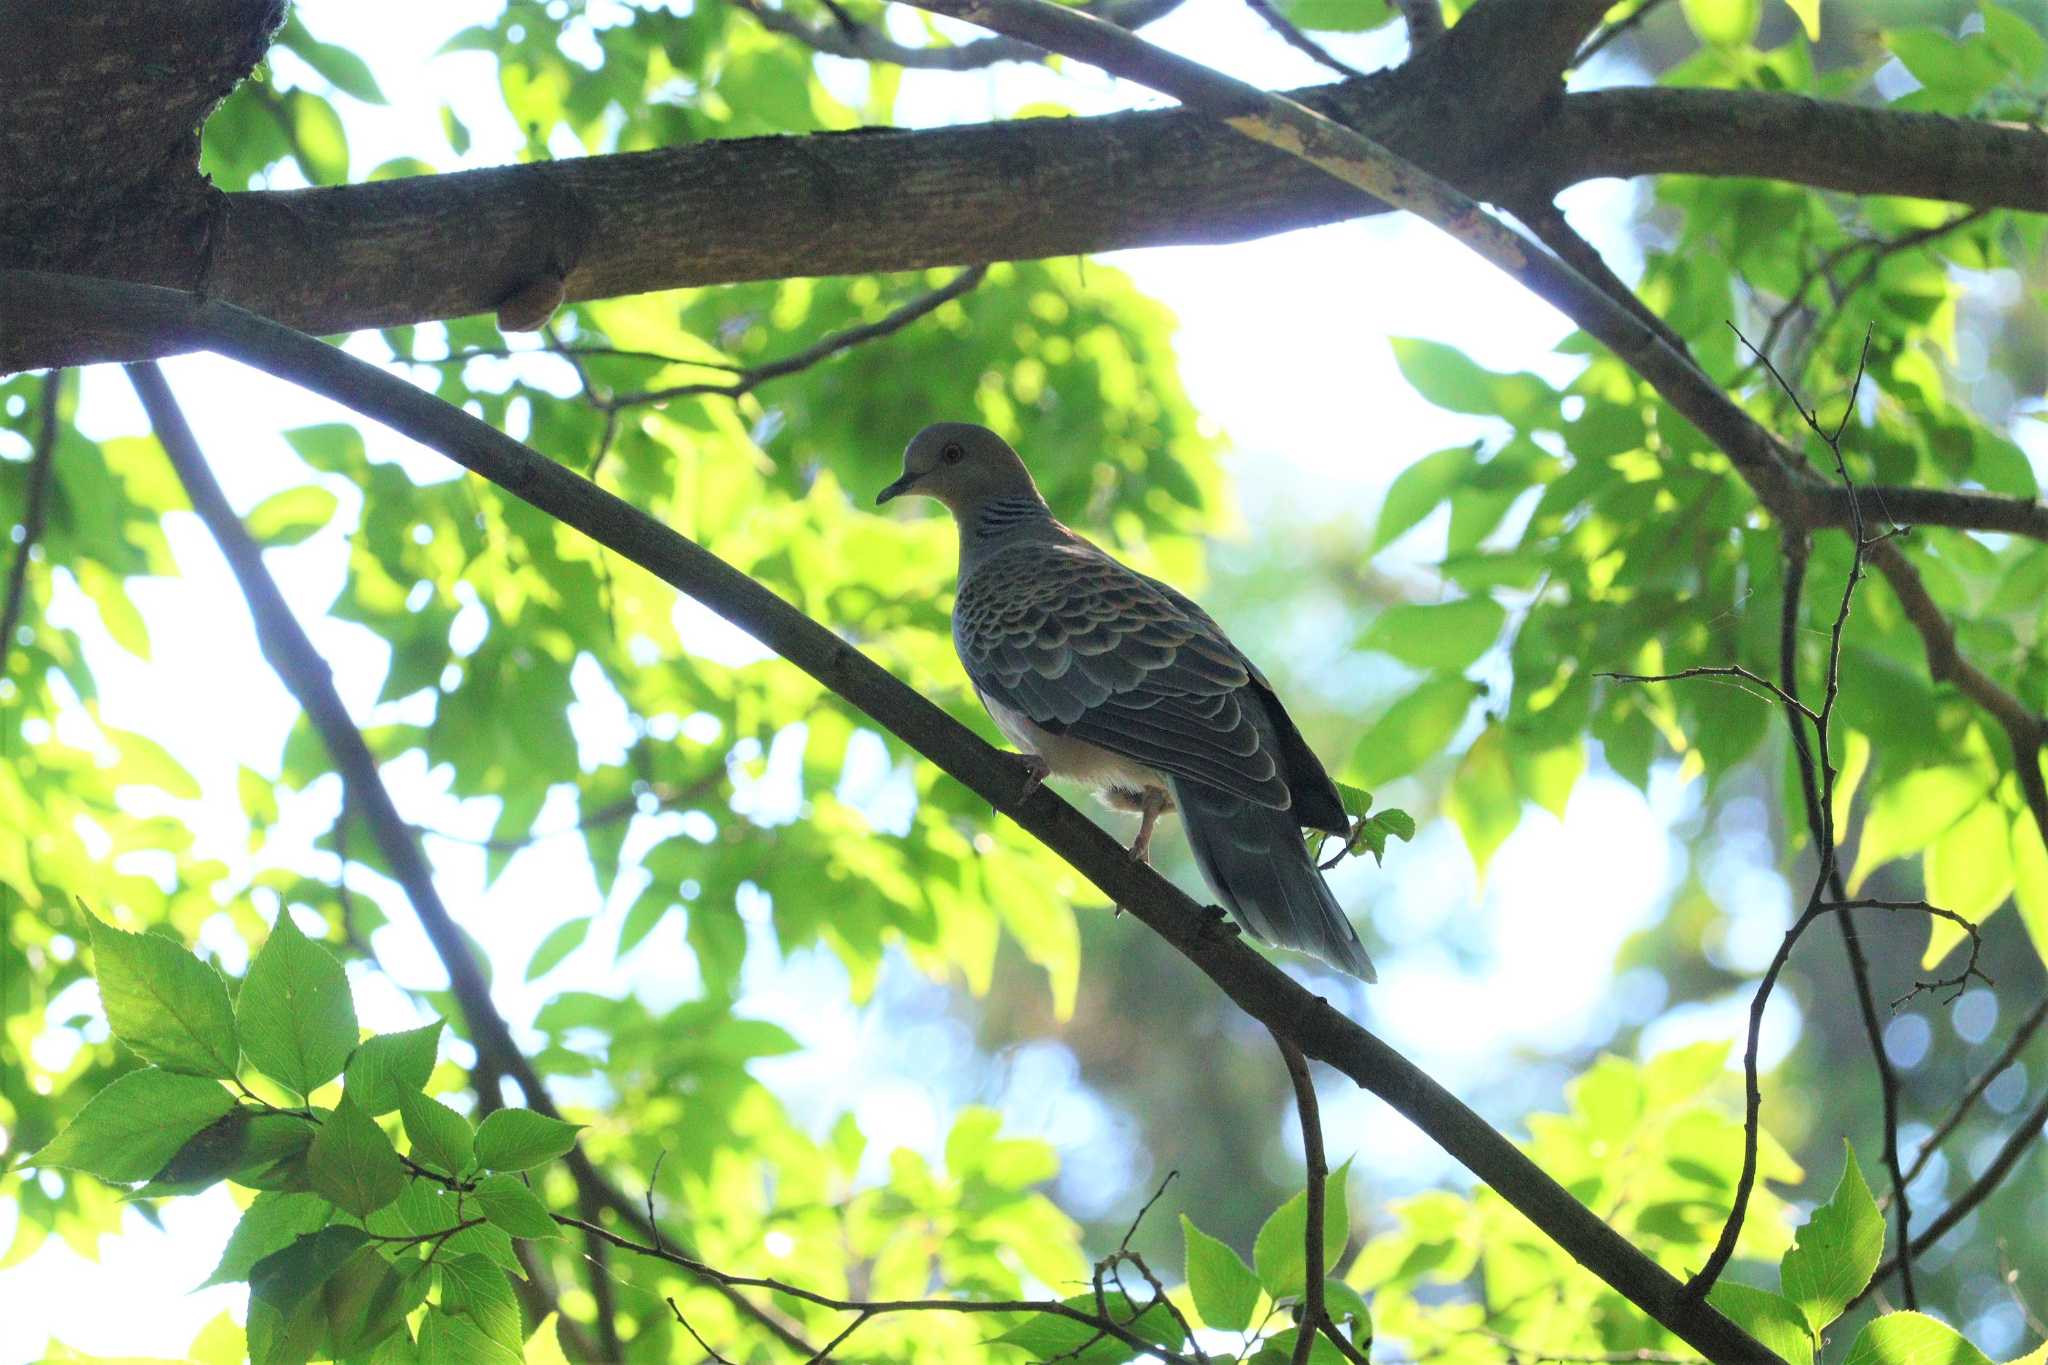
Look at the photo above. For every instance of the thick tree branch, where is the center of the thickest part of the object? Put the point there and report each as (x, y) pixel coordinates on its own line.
(1830, 145)
(1479, 106)
(306, 675)
(34, 511)
(1257, 986)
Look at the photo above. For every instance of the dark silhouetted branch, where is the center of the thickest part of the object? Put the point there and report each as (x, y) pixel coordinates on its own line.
(873, 1308)
(2009, 1153)
(2021, 1036)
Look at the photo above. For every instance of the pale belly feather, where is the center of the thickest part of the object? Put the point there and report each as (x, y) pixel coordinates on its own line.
(1121, 781)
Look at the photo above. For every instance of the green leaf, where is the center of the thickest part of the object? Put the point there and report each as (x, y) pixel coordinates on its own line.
(1771, 1319)
(509, 1204)
(353, 1163)
(1338, 16)
(164, 1003)
(1968, 870)
(2030, 879)
(1419, 489)
(1837, 1251)
(296, 1018)
(1224, 1288)
(367, 1299)
(1443, 636)
(129, 1130)
(1909, 814)
(291, 516)
(1413, 730)
(1912, 1339)
(564, 939)
(287, 1321)
(473, 1287)
(519, 1139)
(1809, 17)
(343, 69)
(440, 1137)
(445, 1337)
(1047, 1336)
(146, 763)
(1724, 23)
(271, 1223)
(1483, 798)
(387, 1064)
(1279, 1251)
(1449, 378)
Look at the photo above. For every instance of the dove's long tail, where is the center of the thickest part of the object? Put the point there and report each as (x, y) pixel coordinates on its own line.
(1254, 859)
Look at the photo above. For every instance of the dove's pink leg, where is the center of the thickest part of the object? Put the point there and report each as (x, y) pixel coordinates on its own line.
(1155, 801)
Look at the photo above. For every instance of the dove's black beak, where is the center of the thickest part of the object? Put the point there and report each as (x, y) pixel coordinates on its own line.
(901, 485)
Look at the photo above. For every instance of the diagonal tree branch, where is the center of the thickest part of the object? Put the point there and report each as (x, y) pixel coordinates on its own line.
(1254, 984)
(306, 675)
(35, 509)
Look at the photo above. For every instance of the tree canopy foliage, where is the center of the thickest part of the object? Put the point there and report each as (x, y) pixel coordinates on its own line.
(1767, 530)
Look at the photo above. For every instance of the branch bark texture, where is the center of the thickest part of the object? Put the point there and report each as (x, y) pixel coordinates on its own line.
(1479, 107)
(1257, 986)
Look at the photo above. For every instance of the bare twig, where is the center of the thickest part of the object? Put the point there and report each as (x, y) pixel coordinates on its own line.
(1821, 810)
(2009, 1153)
(710, 1353)
(1313, 1315)
(751, 378)
(873, 1308)
(1820, 826)
(2021, 1036)
(1615, 30)
(1547, 221)
(1783, 698)
(1298, 40)
(35, 509)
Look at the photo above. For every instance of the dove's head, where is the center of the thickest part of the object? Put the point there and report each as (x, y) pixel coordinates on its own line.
(962, 465)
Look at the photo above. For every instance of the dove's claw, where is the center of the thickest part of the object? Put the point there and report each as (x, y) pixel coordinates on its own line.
(1036, 770)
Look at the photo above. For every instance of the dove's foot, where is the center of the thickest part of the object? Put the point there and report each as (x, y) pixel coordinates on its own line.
(1217, 925)
(1036, 770)
(1151, 804)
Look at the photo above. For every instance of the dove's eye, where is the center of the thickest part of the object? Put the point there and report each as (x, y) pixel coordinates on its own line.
(953, 453)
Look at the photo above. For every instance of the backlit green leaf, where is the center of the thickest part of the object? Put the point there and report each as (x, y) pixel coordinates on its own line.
(291, 516)
(440, 1137)
(1837, 1250)
(519, 1139)
(353, 1163)
(511, 1205)
(1912, 1339)
(163, 1002)
(130, 1129)
(296, 1018)
(1224, 1288)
